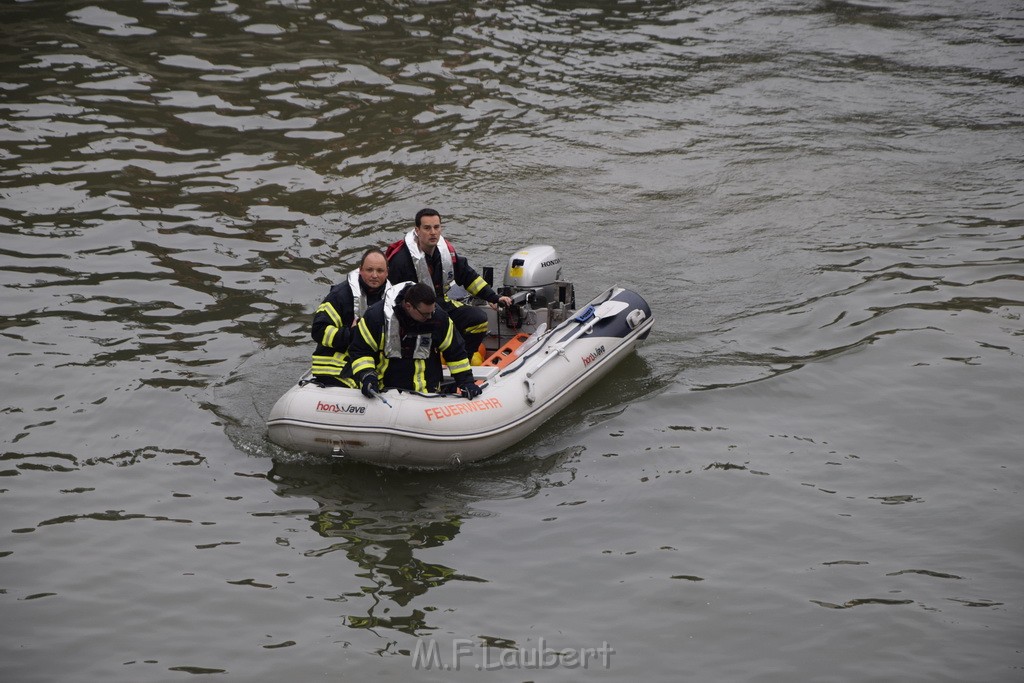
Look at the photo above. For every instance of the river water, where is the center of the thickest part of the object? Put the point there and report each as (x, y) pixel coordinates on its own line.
(810, 472)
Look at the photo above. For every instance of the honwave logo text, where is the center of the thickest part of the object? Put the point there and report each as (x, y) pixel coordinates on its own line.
(552, 262)
(598, 352)
(322, 407)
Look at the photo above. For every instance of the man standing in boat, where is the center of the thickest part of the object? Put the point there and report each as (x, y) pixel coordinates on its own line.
(335, 319)
(399, 342)
(425, 256)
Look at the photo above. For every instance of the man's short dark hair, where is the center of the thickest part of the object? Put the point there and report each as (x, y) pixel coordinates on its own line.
(425, 212)
(420, 293)
(370, 252)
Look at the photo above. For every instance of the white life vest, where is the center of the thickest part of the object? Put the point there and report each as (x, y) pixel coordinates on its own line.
(393, 344)
(419, 260)
(359, 296)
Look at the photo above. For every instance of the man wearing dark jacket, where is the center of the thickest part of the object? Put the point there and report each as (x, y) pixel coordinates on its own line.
(335, 318)
(425, 256)
(399, 342)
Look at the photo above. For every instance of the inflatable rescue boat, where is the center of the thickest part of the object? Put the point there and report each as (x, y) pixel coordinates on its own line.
(542, 353)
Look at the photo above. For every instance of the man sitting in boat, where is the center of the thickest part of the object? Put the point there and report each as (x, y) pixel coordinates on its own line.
(425, 256)
(335, 319)
(400, 340)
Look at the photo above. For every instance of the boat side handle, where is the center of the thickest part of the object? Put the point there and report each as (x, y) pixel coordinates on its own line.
(635, 317)
(530, 398)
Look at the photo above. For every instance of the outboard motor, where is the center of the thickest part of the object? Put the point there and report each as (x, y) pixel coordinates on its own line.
(533, 278)
(537, 270)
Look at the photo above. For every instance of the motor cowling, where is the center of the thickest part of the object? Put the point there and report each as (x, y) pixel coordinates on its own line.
(536, 269)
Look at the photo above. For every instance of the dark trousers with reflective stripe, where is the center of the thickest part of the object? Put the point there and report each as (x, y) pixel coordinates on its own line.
(471, 322)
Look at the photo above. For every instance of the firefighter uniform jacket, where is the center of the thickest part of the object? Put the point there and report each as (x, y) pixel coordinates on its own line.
(403, 257)
(332, 326)
(405, 353)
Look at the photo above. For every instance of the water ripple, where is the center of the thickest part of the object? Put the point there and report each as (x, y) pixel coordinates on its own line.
(821, 201)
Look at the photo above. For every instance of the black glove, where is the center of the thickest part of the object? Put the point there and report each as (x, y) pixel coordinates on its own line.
(369, 385)
(470, 390)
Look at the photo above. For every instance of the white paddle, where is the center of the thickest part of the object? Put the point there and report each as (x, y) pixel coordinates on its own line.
(587, 318)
